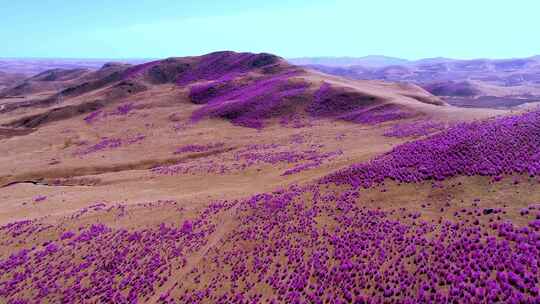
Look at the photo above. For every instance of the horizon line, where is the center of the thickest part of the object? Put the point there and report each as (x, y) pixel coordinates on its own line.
(287, 58)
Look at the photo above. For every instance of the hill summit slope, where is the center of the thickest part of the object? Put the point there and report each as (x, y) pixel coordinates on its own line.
(246, 89)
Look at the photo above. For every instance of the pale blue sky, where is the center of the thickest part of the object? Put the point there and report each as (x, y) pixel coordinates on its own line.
(291, 28)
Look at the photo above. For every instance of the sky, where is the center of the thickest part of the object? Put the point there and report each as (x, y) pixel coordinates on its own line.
(410, 29)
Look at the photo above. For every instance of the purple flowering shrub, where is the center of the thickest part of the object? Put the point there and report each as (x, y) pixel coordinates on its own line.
(121, 110)
(201, 166)
(93, 117)
(248, 89)
(104, 144)
(314, 162)
(299, 138)
(250, 156)
(250, 104)
(198, 148)
(295, 120)
(503, 145)
(309, 159)
(109, 144)
(415, 129)
(39, 198)
(276, 157)
(124, 109)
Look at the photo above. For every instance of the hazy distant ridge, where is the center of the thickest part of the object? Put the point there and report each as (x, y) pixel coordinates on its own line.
(379, 61)
(370, 61)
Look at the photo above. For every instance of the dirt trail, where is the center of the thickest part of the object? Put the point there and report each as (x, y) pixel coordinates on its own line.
(224, 226)
(36, 177)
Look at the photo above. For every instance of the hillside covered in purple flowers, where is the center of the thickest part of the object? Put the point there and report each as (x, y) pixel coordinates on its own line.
(240, 178)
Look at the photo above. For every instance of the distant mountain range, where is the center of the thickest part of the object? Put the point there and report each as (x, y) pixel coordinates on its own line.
(477, 82)
(377, 61)
(371, 61)
(33, 66)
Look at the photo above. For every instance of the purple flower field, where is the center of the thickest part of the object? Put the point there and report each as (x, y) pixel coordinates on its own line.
(309, 243)
(252, 156)
(251, 104)
(507, 145)
(415, 129)
(284, 249)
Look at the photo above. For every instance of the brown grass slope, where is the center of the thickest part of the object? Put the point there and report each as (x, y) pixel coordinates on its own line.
(40, 142)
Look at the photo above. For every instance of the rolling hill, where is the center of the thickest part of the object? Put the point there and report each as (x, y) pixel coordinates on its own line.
(8, 79)
(241, 178)
(487, 83)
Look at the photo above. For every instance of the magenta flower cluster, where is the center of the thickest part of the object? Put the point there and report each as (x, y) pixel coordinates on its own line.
(198, 167)
(295, 120)
(109, 143)
(198, 148)
(312, 157)
(121, 110)
(39, 198)
(415, 129)
(252, 155)
(124, 109)
(94, 116)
